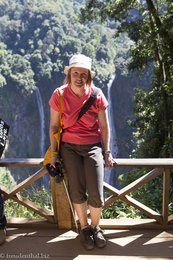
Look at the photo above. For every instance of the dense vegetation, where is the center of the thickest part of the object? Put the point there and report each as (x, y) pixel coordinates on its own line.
(36, 40)
(149, 24)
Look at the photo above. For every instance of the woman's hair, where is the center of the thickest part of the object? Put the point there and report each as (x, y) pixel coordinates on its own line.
(67, 79)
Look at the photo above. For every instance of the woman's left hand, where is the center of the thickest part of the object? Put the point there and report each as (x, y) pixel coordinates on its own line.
(109, 161)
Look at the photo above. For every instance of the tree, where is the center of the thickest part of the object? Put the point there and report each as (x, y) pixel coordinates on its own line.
(149, 24)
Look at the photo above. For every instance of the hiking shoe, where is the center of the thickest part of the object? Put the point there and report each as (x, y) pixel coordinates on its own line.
(86, 238)
(98, 236)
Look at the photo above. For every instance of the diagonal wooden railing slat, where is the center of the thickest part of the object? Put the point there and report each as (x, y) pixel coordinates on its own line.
(27, 182)
(29, 205)
(143, 208)
(61, 214)
(61, 211)
(139, 182)
(131, 201)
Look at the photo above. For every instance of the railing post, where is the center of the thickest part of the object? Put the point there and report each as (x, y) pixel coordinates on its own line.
(165, 197)
(61, 207)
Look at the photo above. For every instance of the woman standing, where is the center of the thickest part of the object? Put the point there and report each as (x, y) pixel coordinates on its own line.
(84, 147)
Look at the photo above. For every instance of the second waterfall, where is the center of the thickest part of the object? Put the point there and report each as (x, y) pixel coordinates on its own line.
(110, 174)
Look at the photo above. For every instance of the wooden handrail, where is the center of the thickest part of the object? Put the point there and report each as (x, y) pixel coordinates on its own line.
(119, 162)
(62, 212)
(144, 162)
(20, 162)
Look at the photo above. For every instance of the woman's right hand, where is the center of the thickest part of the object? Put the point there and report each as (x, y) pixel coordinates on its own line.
(53, 159)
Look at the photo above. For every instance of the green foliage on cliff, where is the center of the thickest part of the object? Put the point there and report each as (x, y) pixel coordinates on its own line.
(41, 36)
(37, 38)
(149, 24)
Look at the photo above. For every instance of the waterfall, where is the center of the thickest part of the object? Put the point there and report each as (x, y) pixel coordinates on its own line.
(110, 174)
(45, 179)
(42, 121)
(113, 142)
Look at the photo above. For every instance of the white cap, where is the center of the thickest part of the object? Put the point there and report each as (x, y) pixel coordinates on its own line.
(80, 61)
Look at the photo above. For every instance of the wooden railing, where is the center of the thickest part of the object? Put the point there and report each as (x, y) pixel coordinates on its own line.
(62, 213)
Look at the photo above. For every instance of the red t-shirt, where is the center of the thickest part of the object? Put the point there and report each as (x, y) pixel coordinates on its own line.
(86, 130)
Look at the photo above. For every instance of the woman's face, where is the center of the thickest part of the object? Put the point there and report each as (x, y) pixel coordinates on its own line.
(79, 77)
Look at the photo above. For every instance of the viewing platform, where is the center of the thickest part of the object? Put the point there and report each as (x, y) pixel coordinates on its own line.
(54, 235)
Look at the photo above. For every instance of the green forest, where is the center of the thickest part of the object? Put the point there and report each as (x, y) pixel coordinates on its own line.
(37, 38)
(132, 40)
(150, 25)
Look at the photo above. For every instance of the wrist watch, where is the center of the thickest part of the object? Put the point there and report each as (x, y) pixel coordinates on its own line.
(107, 152)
